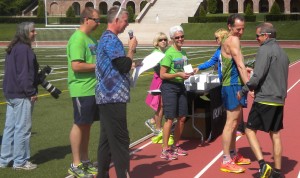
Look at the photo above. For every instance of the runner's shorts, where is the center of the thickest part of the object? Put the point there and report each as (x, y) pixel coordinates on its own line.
(85, 110)
(265, 117)
(229, 97)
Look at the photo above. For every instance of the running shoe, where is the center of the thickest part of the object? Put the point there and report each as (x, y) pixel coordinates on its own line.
(240, 160)
(231, 167)
(79, 172)
(151, 126)
(27, 166)
(168, 155)
(266, 171)
(90, 168)
(178, 150)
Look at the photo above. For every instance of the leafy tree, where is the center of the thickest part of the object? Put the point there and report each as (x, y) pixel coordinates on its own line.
(130, 14)
(275, 9)
(70, 12)
(212, 6)
(202, 12)
(9, 7)
(249, 10)
(41, 9)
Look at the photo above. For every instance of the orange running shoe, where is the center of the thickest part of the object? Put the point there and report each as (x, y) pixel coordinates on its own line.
(231, 167)
(240, 160)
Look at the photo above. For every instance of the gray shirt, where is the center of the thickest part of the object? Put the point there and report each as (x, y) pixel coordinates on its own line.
(270, 74)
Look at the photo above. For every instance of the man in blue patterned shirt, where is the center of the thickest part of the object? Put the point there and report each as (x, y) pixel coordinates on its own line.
(112, 94)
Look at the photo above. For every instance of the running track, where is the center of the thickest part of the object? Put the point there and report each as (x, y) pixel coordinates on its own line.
(204, 161)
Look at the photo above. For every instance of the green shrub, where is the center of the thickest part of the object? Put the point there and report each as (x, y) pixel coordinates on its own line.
(275, 9)
(21, 19)
(249, 10)
(70, 12)
(41, 9)
(282, 17)
(212, 6)
(130, 14)
(202, 12)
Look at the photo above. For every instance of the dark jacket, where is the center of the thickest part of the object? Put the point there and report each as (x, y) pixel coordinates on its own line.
(270, 74)
(20, 75)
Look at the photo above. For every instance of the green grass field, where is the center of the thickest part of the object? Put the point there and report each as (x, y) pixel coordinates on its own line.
(52, 119)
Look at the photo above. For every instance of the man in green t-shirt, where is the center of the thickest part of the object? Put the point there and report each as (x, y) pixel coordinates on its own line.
(81, 52)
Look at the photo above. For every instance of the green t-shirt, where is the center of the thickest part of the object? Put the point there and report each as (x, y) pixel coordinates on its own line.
(81, 47)
(174, 60)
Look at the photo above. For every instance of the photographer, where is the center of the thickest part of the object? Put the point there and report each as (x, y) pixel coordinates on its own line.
(20, 90)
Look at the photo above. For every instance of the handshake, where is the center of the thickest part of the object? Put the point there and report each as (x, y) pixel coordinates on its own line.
(47, 85)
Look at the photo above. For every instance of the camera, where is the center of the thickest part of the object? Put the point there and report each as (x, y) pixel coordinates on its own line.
(42, 74)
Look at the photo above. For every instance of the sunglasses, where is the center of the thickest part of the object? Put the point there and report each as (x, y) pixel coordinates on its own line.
(160, 40)
(258, 35)
(178, 37)
(94, 19)
(216, 38)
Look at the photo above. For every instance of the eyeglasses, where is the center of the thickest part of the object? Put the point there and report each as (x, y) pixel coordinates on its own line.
(160, 40)
(258, 35)
(178, 37)
(96, 20)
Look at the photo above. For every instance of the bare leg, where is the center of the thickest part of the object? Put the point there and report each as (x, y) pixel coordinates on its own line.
(166, 133)
(277, 148)
(254, 143)
(229, 130)
(178, 129)
(159, 115)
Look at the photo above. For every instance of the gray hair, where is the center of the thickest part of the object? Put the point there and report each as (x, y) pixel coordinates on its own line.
(22, 35)
(267, 28)
(113, 11)
(175, 29)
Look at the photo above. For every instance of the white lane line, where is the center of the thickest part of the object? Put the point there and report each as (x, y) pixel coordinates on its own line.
(221, 153)
(212, 162)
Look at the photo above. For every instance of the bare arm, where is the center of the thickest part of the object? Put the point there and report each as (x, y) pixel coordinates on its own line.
(237, 56)
(80, 66)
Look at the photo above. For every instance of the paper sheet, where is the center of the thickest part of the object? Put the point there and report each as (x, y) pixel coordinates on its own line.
(149, 62)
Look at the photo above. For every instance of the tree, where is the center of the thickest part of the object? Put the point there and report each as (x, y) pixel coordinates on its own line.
(249, 10)
(212, 6)
(275, 9)
(41, 9)
(70, 12)
(202, 12)
(130, 14)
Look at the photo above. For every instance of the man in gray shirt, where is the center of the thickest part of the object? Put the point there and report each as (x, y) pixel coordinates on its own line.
(269, 83)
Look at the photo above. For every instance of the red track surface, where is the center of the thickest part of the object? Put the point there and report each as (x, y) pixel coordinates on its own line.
(204, 161)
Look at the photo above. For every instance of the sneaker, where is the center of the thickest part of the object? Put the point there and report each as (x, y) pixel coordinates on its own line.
(276, 175)
(157, 131)
(27, 166)
(151, 126)
(79, 172)
(178, 150)
(266, 171)
(168, 155)
(231, 167)
(90, 168)
(240, 160)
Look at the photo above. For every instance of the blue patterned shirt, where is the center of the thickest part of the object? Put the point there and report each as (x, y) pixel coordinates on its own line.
(112, 86)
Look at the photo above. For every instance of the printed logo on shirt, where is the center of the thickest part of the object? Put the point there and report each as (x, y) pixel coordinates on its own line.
(178, 63)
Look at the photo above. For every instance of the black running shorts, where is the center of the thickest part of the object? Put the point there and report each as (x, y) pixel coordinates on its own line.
(266, 118)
